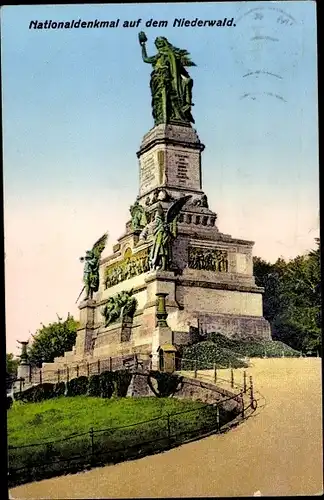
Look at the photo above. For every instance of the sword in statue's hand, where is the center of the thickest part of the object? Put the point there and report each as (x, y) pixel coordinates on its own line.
(77, 300)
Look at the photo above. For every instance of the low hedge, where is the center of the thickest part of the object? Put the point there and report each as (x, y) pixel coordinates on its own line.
(59, 389)
(167, 383)
(77, 386)
(94, 388)
(122, 380)
(107, 386)
(9, 402)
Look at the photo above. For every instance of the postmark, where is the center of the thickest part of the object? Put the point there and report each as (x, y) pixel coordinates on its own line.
(266, 40)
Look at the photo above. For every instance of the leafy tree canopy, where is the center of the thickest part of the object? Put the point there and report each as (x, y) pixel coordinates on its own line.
(292, 299)
(11, 364)
(53, 340)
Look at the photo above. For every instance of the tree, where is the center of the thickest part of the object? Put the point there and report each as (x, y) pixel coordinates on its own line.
(292, 298)
(52, 341)
(11, 364)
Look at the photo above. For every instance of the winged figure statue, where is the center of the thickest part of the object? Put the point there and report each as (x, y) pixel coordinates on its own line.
(164, 232)
(91, 267)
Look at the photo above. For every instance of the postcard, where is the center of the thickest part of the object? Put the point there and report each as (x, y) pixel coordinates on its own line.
(162, 250)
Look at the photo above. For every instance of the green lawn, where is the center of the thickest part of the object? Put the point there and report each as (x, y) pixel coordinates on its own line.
(50, 425)
(60, 417)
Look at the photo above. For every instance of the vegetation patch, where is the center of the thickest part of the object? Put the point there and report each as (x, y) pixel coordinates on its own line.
(253, 349)
(68, 434)
(225, 352)
(204, 355)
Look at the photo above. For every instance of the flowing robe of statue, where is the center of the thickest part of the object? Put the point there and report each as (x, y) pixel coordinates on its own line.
(164, 232)
(160, 256)
(171, 85)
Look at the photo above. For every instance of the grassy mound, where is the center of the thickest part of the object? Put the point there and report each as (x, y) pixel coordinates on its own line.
(256, 349)
(65, 434)
(225, 352)
(207, 353)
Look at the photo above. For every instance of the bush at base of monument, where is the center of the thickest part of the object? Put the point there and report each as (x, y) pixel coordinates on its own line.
(122, 380)
(36, 393)
(77, 386)
(94, 388)
(59, 389)
(107, 384)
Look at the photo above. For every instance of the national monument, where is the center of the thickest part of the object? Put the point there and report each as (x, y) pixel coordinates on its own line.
(172, 274)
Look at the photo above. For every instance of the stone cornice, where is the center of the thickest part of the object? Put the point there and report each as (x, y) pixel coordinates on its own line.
(168, 141)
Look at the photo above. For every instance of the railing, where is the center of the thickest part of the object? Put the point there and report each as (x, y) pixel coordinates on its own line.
(113, 444)
(246, 388)
(69, 371)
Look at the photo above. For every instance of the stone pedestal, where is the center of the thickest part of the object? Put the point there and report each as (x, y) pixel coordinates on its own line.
(161, 335)
(85, 331)
(23, 371)
(170, 156)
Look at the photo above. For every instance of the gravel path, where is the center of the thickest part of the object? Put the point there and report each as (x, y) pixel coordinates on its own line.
(277, 451)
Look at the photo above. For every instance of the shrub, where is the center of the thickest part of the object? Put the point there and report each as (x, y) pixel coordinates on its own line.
(106, 384)
(41, 392)
(94, 388)
(77, 386)
(122, 379)
(9, 402)
(206, 354)
(167, 383)
(252, 348)
(59, 389)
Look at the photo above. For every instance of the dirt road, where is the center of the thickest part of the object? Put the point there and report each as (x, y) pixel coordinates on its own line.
(277, 451)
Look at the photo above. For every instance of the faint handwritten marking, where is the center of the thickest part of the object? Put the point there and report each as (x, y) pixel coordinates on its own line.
(255, 95)
(261, 72)
(257, 494)
(260, 37)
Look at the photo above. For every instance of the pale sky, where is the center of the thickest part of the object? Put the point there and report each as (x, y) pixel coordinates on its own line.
(76, 104)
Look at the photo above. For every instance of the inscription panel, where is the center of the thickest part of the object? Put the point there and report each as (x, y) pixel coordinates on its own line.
(149, 172)
(183, 168)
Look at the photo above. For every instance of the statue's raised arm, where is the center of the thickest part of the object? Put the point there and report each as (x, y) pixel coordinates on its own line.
(142, 40)
(171, 84)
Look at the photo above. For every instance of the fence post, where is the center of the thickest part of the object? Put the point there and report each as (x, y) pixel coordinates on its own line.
(251, 388)
(217, 418)
(232, 378)
(40, 376)
(67, 373)
(283, 354)
(30, 374)
(195, 368)
(92, 440)
(88, 369)
(265, 354)
(242, 401)
(77, 370)
(58, 376)
(169, 429)
(98, 365)
(244, 381)
(215, 373)
(110, 364)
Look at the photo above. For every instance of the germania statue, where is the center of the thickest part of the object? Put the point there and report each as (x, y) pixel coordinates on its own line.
(171, 85)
